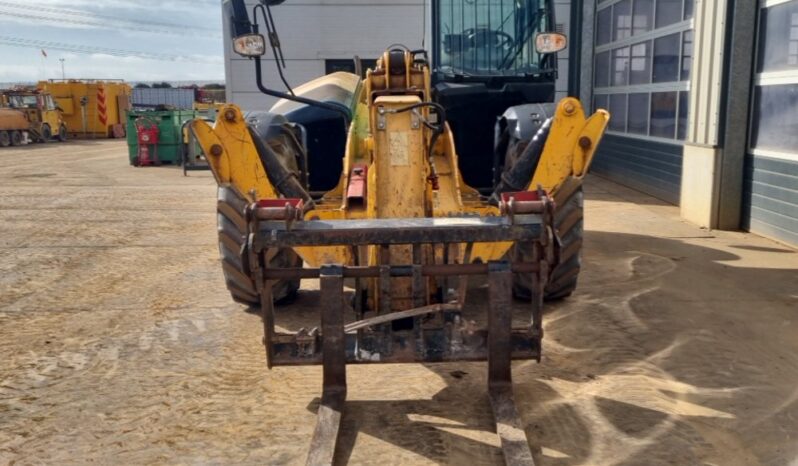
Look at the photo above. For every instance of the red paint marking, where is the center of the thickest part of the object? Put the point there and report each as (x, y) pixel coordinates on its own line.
(356, 191)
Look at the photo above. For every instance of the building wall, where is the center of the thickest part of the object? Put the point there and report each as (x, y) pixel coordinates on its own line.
(562, 18)
(698, 127)
(312, 31)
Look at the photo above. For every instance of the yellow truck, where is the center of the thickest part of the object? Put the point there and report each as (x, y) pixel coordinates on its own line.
(45, 121)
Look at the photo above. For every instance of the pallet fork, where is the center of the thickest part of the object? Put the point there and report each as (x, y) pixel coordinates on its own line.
(438, 333)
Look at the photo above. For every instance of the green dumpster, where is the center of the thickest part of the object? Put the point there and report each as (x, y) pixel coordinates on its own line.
(169, 124)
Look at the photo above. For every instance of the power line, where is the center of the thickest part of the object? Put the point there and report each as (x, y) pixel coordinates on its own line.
(63, 11)
(97, 16)
(90, 49)
(104, 25)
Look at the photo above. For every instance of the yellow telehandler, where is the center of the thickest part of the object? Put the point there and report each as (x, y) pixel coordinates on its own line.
(405, 183)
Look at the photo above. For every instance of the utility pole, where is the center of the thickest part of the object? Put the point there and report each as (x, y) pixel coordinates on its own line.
(63, 76)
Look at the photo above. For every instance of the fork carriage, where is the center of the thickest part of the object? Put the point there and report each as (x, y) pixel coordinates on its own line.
(426, 332)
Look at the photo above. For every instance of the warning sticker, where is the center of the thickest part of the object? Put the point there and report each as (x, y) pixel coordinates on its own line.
(397, 146)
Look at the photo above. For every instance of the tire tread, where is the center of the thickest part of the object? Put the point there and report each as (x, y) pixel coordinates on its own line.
(232, 234)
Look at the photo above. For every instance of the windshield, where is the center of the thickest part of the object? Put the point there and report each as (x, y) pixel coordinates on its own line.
(23, 101)
(489, 37)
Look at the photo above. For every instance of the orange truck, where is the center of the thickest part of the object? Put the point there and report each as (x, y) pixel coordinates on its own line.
(14, 126)
(45, 121)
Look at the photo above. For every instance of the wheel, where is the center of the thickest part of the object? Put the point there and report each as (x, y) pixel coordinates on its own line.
(47, 133)
(16, 138)
(62, 133)
(5, 139)
(232, 232)
(569, 223)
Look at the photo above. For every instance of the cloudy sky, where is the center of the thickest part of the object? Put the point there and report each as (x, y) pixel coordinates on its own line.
(134, 40)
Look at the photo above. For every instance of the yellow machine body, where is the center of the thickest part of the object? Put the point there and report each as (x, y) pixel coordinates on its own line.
(84, 102)
(393, 146)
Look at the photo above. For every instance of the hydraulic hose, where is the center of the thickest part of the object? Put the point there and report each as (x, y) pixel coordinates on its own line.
(283, 179)
(518, 177)
(437, 130)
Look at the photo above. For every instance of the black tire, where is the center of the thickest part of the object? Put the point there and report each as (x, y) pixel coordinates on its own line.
(16, 138)
(47, 133)
(232, 231)
(62, 133)
(5, 139)
(569, 223)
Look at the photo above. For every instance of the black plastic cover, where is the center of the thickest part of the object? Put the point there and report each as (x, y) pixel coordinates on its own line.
(235, 11)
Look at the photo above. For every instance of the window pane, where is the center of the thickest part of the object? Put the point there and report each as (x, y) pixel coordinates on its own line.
(687, 54)
(775, 119)
(638, 113)
(620, 67)
(643, 18)
(688, 8)
(602, 78)
(663, 114)
(618, 112)
(681, 131)
(778, 38)
(600, 101)
(488, 38)
(640, 67)
(622, 20)
(604, 26)
(666, 58)
(668, 12)
(333, 65)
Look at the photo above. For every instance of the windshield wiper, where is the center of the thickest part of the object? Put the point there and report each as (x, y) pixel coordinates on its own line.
(519, 43)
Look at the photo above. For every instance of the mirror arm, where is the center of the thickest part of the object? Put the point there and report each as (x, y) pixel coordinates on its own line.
(338, 108)
(274, 40)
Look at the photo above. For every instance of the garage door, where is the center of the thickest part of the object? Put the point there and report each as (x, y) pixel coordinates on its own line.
(771, 175)
(642, 60)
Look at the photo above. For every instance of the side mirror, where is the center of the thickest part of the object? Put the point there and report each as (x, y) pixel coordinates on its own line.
(250, 45)
(550, 42)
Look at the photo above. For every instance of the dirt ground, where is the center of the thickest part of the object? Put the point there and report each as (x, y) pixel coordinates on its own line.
(120, 345)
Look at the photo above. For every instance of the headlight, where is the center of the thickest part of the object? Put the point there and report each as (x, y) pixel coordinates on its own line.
(250, 45)
(550, 42)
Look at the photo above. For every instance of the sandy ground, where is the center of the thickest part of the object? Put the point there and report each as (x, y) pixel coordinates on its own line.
(119, 344)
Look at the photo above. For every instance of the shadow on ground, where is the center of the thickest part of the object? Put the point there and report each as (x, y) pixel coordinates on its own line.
(654, 360)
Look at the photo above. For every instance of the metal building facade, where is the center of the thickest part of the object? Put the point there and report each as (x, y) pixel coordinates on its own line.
(704, 102)
(317, 30)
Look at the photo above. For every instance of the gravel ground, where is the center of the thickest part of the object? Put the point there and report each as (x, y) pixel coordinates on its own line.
(120, 345)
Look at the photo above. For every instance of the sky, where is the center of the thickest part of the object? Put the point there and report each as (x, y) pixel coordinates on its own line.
(134, 40)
